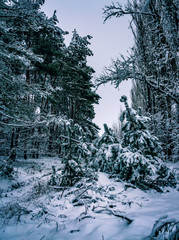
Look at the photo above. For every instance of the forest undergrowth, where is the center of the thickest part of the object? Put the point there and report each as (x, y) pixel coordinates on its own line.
(96, 207)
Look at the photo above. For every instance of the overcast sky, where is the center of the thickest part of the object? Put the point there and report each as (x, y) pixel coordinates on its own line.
(109, 40)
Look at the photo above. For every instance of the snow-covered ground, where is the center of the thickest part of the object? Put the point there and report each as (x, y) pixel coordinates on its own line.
(103, 209)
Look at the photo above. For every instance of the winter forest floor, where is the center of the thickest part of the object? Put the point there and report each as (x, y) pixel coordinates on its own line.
(93, 209)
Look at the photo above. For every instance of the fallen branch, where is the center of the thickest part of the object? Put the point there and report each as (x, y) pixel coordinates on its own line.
(110, 212)
(79, 195)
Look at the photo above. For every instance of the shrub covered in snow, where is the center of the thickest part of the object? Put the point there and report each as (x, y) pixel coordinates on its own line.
(137, 158)
(165, 228)
(77, 153)
(106, 151)
(133, 165)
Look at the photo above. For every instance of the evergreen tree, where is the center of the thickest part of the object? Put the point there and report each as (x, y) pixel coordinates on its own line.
(137, 137)
(137, 158)
(77, 82)
(140, 155)
(16, 57)
(75, 154)
(107, 148)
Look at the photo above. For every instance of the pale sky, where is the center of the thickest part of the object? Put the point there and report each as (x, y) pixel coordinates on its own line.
(109, 41)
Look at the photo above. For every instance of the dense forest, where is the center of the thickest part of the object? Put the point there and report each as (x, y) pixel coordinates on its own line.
(48, 140)
(44, 83)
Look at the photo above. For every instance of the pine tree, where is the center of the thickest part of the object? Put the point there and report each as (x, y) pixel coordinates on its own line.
(137, 158)
(78, 82)
(137, 137)
(16, 57)
(140, 155)
(107, 148)
(76, 153)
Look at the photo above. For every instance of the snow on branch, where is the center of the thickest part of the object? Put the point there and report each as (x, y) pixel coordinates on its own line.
(116, 10)
(116, 73)
(124, 69)
(101, 209)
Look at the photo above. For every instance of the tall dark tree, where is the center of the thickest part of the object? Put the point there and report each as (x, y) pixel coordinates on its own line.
(79, 95)
(16, 57)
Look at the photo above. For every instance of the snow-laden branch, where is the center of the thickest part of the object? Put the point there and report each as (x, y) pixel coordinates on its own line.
(111, 212)
(116, 10)
(124, 69)
(26, 125)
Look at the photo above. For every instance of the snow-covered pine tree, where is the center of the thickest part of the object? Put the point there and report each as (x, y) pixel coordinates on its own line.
(141, 151)
(79, 91)
(107, 148)
(76, 153)
(137, 158)
(17, 18)
(137, 137)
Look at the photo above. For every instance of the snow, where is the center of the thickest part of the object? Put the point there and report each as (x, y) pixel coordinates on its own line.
(89, 210)
(103, 180)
